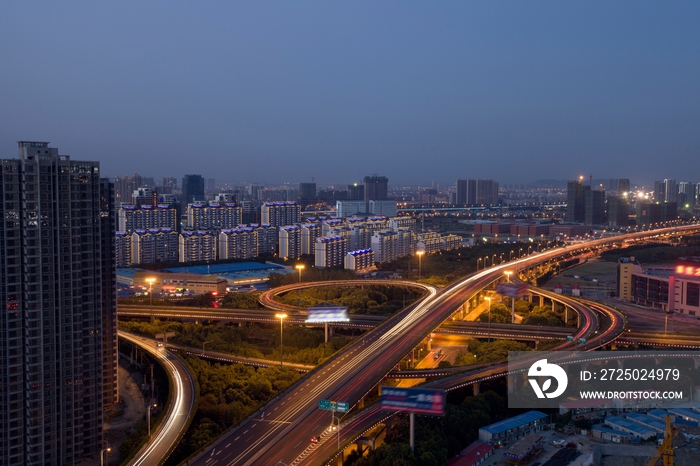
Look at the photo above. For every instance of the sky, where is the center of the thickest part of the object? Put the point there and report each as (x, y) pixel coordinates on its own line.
(275, 92)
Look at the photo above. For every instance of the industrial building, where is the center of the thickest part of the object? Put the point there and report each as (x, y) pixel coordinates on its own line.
(513, 428)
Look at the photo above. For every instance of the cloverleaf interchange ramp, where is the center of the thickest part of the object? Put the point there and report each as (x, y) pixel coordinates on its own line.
(281, 432)
(179, 410)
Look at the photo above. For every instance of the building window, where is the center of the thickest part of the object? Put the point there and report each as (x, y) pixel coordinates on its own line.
(692, 296)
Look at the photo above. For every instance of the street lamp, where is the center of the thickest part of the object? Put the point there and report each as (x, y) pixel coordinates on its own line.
(420, 262)
(150, 282)
(281, 317)
(103, 456)
(510, 258)
(149, 417)
(477, 263)
(204, 344)
(489, 299)
(299, 267)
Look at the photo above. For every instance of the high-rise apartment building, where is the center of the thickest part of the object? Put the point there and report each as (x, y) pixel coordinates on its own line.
(192, 189)
(330, 251)
(238, 243)
(659, 191)
(486, 192)
(57, 327)
(213, 216)
(198, 246)
(290, 242)
(307, 193)
(594, 207)
(576, 200)
(279, 214)
(618, 211)
(169, 182)
(670, 190)
(109, 293)
(376, 188)
(476, 192)
(356, 192)
(132, 218)
(623, 186)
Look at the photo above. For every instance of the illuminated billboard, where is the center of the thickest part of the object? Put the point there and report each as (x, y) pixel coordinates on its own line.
(323, 314)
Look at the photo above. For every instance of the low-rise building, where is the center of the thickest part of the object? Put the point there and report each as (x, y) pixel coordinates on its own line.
(179, 282)
(513, 428)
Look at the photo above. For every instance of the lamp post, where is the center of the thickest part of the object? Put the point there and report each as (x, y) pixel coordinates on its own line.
(420, 262)
(281, 317)
(510, 258)
(149, 417)
(493, 260)
(477, 263)
(299, 267)
(508, 273)
(103, 456)
(489, 299)
(150, 282)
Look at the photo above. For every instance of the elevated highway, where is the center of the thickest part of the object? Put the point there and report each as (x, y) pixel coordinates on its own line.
(179, 411)
(292, 418)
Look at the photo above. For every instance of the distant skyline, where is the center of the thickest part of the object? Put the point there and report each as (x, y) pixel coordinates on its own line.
(276, 92)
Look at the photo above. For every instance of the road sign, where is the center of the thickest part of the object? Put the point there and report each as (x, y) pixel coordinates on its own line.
(324, 404)
(569, 338)
(413, 400)
(333, 406)
(343, 407)
(581, 341)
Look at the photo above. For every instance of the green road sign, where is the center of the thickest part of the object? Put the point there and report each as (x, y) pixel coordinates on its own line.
(333, 406)
(343, 407)
(569, 338)
(582, 341)
(324, 404)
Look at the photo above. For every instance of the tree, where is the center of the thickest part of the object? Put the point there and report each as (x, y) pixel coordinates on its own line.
(499, 314)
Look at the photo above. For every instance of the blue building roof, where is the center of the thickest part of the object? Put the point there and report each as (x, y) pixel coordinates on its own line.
(685, 413)
(650, 421)
(634, 427)
(659, 413)
(514, 422)
(601, 428)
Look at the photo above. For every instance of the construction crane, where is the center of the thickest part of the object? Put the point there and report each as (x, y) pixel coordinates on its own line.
(666, 448)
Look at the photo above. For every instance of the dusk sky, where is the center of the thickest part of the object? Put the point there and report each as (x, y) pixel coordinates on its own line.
(274, 92)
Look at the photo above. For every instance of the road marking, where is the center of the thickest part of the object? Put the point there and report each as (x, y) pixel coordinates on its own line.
(253, 426)
(228, 445)
(277, 407)
(236, 438)
(245, 432)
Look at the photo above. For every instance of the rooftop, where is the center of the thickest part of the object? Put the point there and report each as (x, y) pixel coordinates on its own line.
(514, 422)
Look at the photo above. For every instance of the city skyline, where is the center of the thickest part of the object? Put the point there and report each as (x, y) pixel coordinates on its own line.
(277, 92)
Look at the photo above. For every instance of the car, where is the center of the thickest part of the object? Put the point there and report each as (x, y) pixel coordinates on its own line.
(314, 439)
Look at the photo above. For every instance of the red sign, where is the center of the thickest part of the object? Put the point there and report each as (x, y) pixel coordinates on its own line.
(688, 270)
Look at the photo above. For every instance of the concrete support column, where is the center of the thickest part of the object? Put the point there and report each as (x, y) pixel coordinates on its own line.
(475, 388)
